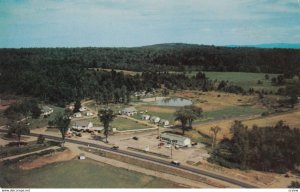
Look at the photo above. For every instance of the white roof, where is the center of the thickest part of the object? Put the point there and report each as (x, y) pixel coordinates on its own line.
(174, 136)
(129, 110)
(82, 123)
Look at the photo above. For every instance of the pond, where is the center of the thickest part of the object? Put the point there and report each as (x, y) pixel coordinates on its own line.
(174, 102)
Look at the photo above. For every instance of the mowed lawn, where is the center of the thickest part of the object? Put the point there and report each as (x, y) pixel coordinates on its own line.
(80, 174)
(120, 123)
(123, 124)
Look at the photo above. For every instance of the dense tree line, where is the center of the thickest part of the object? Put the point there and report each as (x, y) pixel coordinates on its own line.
(163, 57)
(261, 148)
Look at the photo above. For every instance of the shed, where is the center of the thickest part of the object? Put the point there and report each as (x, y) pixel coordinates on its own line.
(46, 110)
(145, 117)
(155, 119)
(175, 139)
(164, 122)
(82, 109)
(81, 156)
(77, 115)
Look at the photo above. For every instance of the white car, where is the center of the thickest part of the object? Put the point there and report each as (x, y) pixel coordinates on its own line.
(177, 163)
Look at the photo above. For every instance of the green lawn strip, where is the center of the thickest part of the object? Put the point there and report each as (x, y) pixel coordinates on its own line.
(30, 147)
(31, 156)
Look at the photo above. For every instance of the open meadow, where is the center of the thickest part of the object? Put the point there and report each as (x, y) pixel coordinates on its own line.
(80, 174)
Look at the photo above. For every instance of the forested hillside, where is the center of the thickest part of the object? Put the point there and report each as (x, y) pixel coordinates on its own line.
(164, 56)
(61, 75)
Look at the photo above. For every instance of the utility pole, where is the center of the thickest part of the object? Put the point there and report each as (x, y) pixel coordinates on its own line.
(171, 150)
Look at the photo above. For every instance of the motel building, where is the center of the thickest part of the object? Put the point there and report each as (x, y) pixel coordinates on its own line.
(175, 139)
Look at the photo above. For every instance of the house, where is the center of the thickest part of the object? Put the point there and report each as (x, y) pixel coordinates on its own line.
(82, 125)
(82, 109)
(129, 111)
(46, 110)
(164, 122)
(175, 139)
(77, 115)
(145, 117)
(155, 119)
(89, 113)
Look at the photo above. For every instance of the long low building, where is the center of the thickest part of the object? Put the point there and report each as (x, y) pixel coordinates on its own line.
(175, 139)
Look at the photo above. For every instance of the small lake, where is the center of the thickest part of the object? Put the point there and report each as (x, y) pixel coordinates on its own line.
(174, 102)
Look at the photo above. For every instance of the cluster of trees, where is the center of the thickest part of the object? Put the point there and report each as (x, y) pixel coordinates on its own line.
(260, 148)
(186, 115)
(22, 109)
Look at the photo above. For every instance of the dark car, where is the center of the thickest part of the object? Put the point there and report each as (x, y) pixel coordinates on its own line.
(115, 147)
(135, 138)
(175, 163)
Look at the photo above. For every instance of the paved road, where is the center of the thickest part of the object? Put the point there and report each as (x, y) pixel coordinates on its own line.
(160, 161)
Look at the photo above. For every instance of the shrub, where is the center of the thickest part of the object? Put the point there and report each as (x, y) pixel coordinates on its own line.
(40, 139)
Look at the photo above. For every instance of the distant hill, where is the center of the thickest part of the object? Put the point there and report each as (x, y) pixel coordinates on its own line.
(271, 46)
(162, 57)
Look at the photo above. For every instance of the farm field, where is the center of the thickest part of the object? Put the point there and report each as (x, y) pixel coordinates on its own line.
(292, 119)
(243, 79)
(92, 175)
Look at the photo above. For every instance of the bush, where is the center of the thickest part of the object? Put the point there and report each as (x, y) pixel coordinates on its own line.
(40, 139)
(294, 184)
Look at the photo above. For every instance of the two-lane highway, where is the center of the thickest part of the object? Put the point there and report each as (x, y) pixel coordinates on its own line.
(159, 161)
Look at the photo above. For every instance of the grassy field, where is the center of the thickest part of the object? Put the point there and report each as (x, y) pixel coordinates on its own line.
(120, 123)
(123, 124)
(291, 119)
(80, 174)
(228, 112)
(243, 79)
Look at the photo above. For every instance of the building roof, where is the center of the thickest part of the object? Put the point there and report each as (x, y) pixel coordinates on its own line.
(174, 136)
(129, 110)
(46, 109)
(82, 123)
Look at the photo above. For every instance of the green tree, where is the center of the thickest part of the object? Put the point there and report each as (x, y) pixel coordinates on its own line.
(106, 116)
(62, 122)
(294, 184)
(77, 106)
(192, 113)
(182, 116)
(215, 130)
(293, 92)
(20, 128)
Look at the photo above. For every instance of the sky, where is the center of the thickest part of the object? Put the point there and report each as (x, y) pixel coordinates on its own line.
(130, 23)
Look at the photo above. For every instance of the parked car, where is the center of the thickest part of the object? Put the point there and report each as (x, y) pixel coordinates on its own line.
(177, 163)
(135, 138)
(115, 147)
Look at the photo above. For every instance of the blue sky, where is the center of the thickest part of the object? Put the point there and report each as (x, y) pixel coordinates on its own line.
(127, 23)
